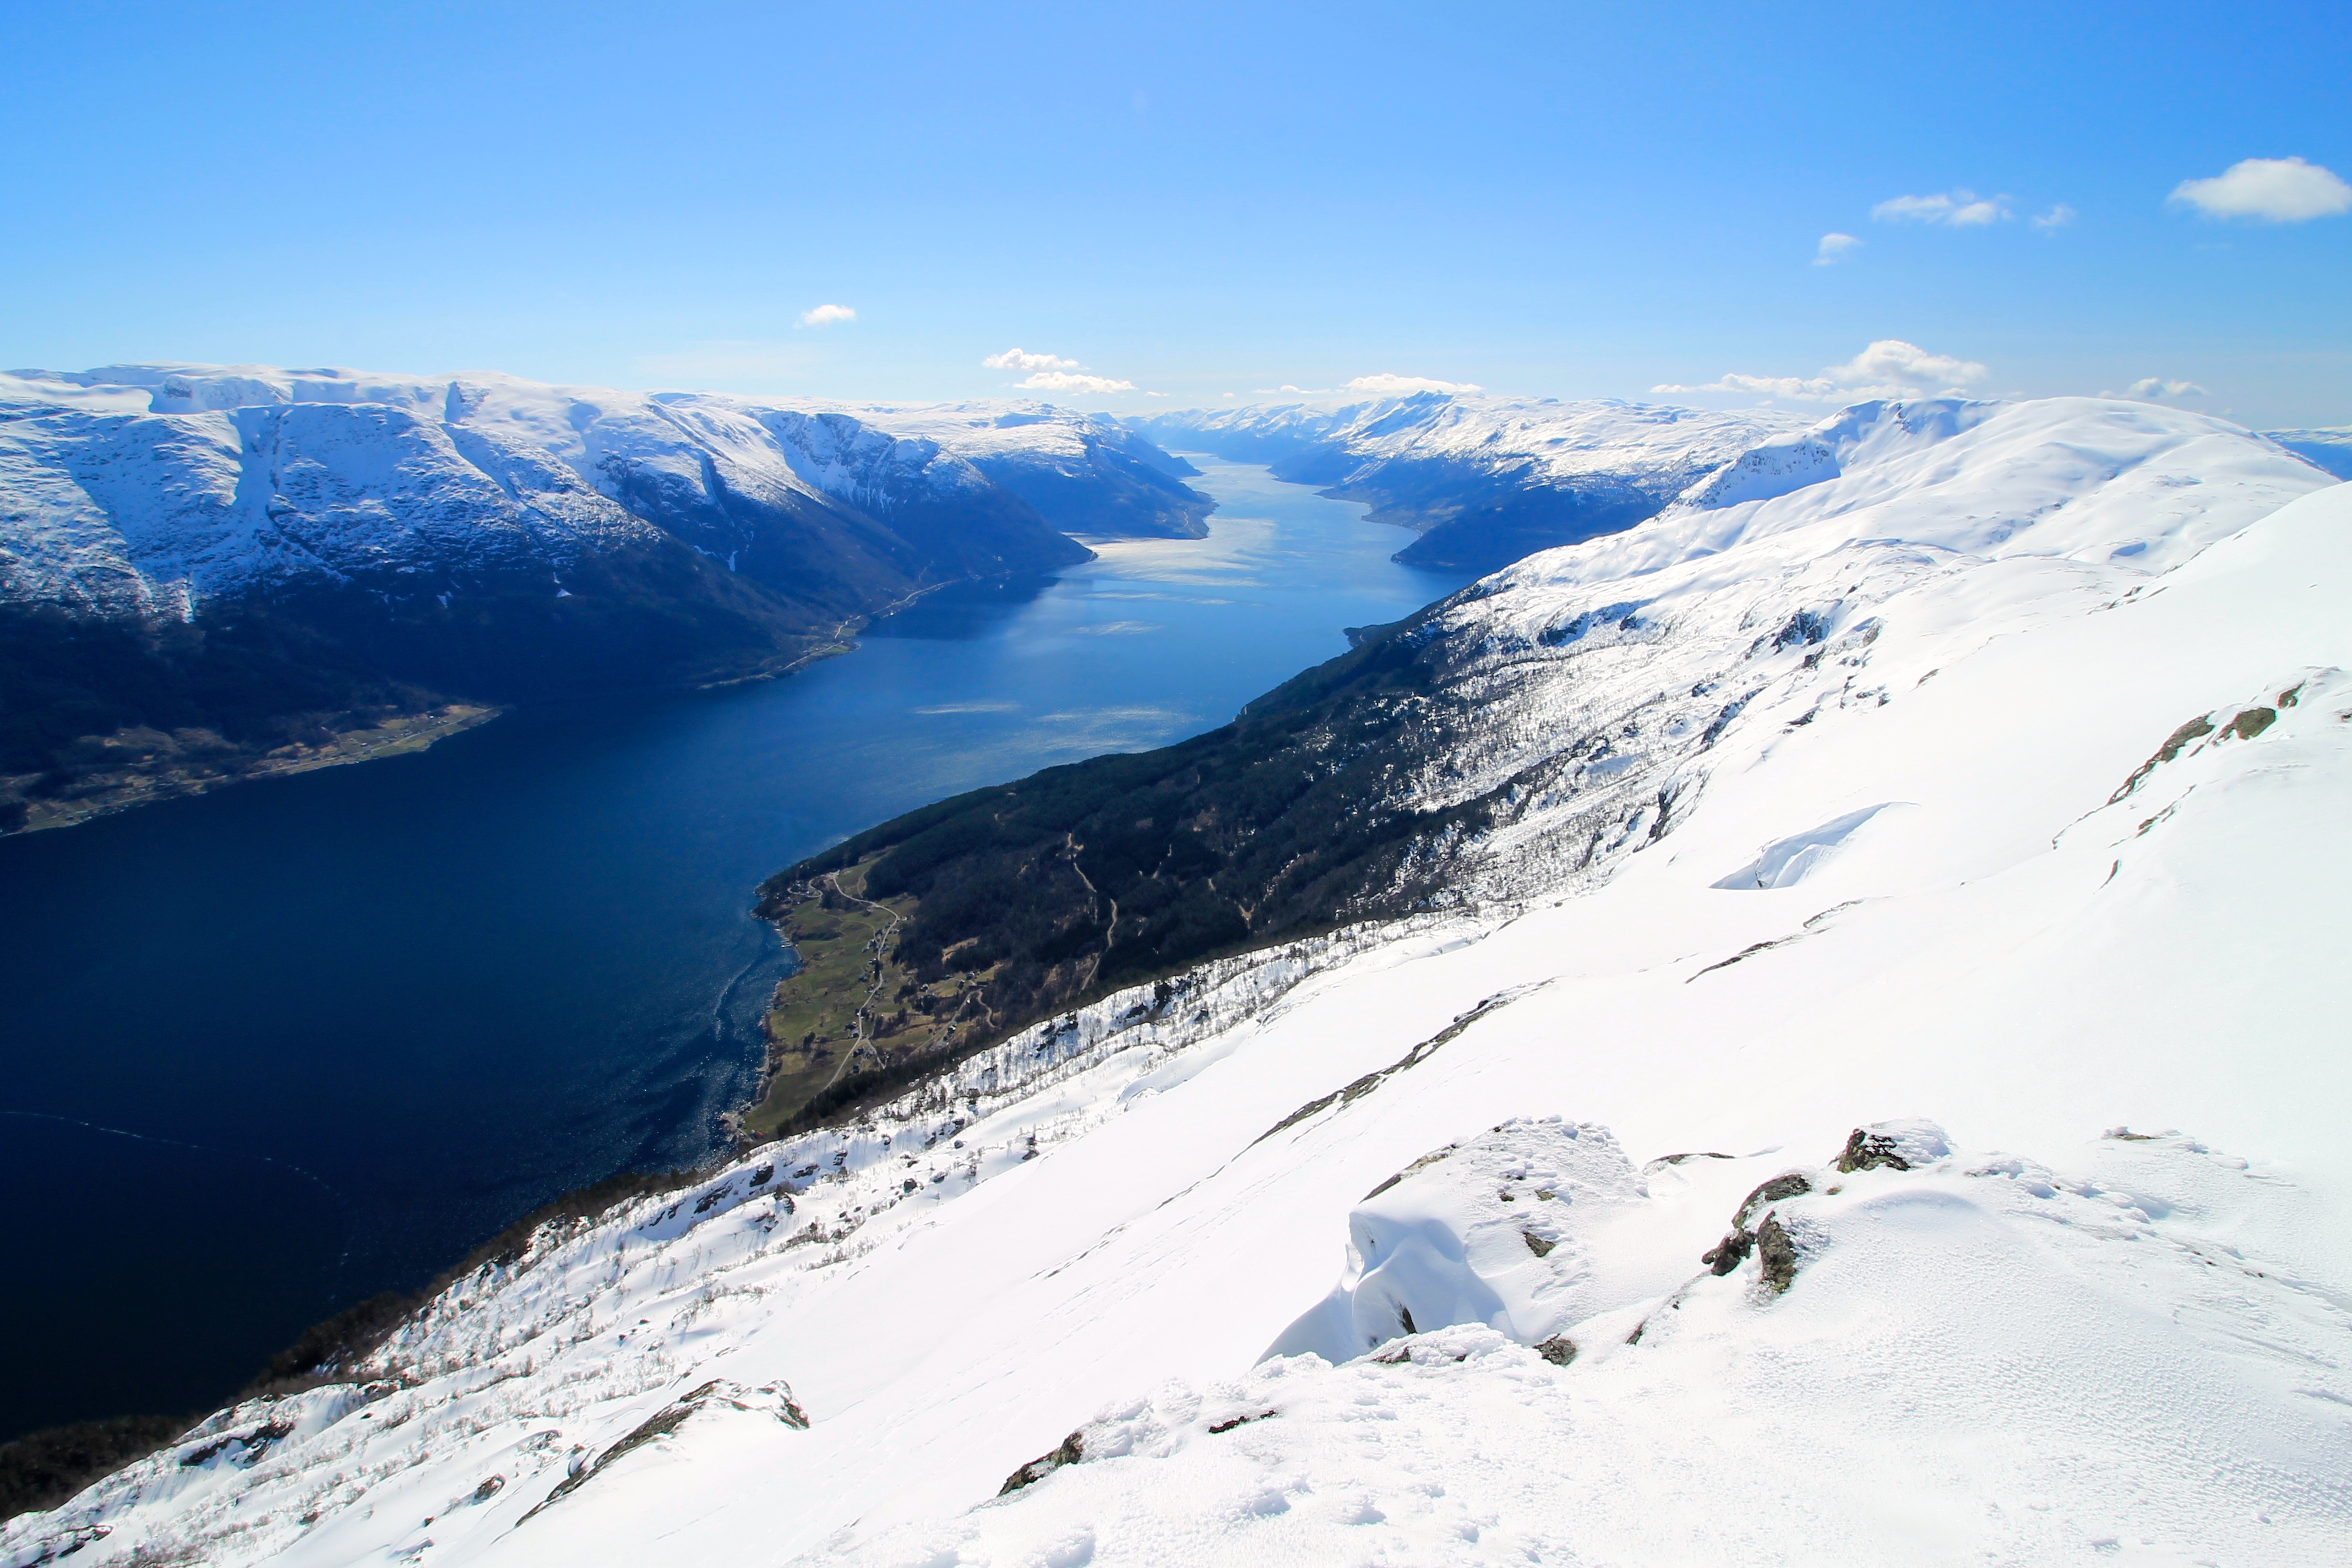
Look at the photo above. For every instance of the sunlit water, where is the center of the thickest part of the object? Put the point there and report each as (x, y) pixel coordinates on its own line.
(271, 1050)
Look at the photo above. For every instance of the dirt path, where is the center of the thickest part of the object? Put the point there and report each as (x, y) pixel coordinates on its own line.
(876, 946)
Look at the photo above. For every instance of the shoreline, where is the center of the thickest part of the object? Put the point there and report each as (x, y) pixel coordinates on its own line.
(400, 736)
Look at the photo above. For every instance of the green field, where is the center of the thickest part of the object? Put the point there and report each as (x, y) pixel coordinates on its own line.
(851, 1009)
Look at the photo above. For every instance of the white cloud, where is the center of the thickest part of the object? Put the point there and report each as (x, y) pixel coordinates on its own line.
(1835, 247)
(1385, 384)
(1887, 368)
(1021, 359)
(2058, 217)
(2278, 190)
(2151, 387)
(826, 315)
(1063, 380)
(1953, 209)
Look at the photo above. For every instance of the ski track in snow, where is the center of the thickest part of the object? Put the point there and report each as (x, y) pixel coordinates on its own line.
(1994, 775)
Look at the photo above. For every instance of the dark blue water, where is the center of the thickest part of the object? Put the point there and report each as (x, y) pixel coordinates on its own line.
(266, 1052)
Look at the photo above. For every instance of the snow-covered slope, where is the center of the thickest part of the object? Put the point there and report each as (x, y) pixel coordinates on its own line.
(2328, 449)
(108, 506)
(1992, 811)
(1087, 474)
(1485, 479)
(207, 570)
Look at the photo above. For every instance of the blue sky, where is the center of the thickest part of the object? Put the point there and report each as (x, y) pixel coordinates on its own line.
(1559, 199)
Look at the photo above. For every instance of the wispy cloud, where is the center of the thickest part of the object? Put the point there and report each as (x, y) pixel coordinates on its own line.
(2274, 189)
(2058, 217)
(1887, 368)
(1834, 248)
(827, 315)
(1953, 209)
(1021, 359)
(1065, 380)
(2155, 388)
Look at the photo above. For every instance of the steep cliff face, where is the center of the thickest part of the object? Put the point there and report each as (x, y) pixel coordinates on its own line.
(1484, 480)
(1876, 1082)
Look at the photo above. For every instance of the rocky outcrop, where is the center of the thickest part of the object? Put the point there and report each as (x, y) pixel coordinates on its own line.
(1072, 1449)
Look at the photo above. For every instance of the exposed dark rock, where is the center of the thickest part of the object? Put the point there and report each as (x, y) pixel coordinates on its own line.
(1072, 1450)
(1218, 1429)
(1732, 1251)
(252, 1443)
(1776, 1255)
(1537, 1244)
(1792, 1184)
(1726, 1254)
(1866, 1150)
(1559, 1350)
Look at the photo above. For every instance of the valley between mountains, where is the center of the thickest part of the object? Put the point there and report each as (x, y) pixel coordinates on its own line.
(1797, 1023)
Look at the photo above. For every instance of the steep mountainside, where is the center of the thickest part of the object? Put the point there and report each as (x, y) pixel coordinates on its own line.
(1484, 480)
(1086, 473)
(2328, 450)
(1528, 731)
(1772, 1161)
(206, 572)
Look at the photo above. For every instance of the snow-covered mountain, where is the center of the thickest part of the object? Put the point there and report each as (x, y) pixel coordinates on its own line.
(139, 485)
(2328, 449)
(1484, 479)
(1087, 474)
(201, 565)
(1881, 1100)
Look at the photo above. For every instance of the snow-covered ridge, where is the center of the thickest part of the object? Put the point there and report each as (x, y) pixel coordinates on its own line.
(1485, 479)
(1996, 780)
(1657, 448)
(135, 489)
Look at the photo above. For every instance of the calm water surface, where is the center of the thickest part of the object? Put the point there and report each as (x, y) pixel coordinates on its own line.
(266, 1052)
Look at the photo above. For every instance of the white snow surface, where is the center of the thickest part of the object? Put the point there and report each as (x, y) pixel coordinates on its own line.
(146, 489)
(2054, 696)
(1657, 448)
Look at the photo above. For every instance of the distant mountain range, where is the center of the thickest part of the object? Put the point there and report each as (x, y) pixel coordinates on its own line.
(1484, 480)
(1488, 481)
(207, 571)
